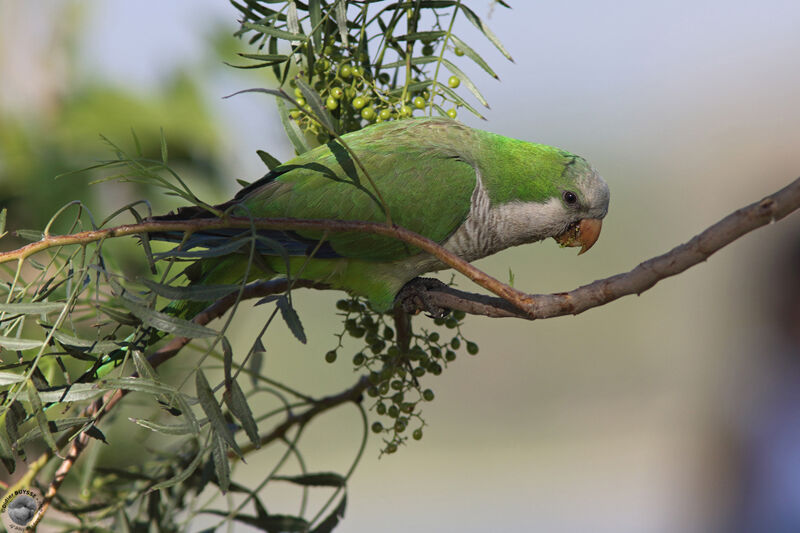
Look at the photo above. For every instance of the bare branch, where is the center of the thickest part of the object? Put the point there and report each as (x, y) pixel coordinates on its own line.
(768, 210)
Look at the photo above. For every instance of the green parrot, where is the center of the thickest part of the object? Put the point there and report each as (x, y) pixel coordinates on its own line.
(471, 191)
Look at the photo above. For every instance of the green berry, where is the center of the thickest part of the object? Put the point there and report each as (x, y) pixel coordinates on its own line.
(391, 447)
(331, 103)
(458, 51)
(406, 111)
(455, 343)
(298, 93)
(345, 71)
(472, 348)
(295, 114)
(368, 113)
(377, 427)
(459, 315)
(397, 384)
(301, 102)
(453, 82)
(359, 102)
(428, 395)
(417, 434)
(337, 93)
(433, 337)
(452, 113)
(418, 102)
(380, 408)
(384, 78)
(418, 372)
(372, 392)
(358, 359)
(393, 411)
(328, 50)
(450, 356)
(427, 50)
(451, 323)
(330, 356)
(385, 114)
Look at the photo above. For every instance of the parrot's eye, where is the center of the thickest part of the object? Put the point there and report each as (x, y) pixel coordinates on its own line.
(570, 197)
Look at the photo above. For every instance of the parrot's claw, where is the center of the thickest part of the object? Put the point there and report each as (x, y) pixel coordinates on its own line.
(414, 297)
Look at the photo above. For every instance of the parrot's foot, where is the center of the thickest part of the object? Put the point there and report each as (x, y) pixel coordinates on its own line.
(414, 297)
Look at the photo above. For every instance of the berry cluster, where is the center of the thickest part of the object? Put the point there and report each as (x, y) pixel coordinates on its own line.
(395, 375)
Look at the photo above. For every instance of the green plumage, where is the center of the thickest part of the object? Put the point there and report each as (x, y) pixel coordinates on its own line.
(427, 171)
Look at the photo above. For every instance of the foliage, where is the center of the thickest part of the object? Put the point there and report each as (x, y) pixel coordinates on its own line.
(78, 336)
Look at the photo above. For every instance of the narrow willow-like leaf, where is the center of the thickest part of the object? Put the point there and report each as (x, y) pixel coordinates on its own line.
(195, 293)
(143, 366)
(318, 108)
(237, 403)
(227, 360)
(478, 23)
(180, 477)
(219, 454)
(216, 251)
(41, 418)
(293, 132)
(53, 426)
(333, 519)
(420, 36)
(36, 308)
(167, 429)
(31, 235)
(169, 324)
(256, 360)
(340, 11)
(137, 384)
(315, 14)
(270, 58)
(72, 393)
(466, 81)
(164, 152)
(6, 454)
(212, 410)
(454, 96)
(3, 213)
(12, 343)
(279, 34)
(290, 317)
(273, 522)
(93, 345)
(271, 162)
(7, 378)
(473, 55)
(319, 479)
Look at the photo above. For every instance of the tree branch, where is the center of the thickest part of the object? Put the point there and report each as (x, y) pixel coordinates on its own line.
(768, 210)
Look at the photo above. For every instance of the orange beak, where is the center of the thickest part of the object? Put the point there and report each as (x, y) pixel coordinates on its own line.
(583, 234)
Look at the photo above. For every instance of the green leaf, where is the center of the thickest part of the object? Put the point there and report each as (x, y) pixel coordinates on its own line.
(256, 360)
(219, 454)
(212, 410)
(466, 81)
(71, 393)
(333, 519)
(315, 14)
(215, 251)
(7, 454)
(473, 55)
(3, 222)
(271, 59)
(7, 378)
(36, 308)
(420, 36)
(454, 96)
(340, 11)
(164, 154)
(227, 360)
(53, 426)
(41, 418)
(181, 476)
(320, 479)
(90, 345)
(320, 112)
(31, 235)
(167, 429)
(143, 366)
(237, 403)
(274, 522)
(168, 324)
(268, 160)
(11, 343)
(478, 23)
(279, 34)
(293, 132)
(290, 317)
(195, 293)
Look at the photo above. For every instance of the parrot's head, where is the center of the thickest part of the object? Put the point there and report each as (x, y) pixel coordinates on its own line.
(584, 200)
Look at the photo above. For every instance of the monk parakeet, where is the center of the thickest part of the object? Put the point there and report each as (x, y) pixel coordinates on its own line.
(474, 192)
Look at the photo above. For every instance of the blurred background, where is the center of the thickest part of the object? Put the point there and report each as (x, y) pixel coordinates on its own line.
(678, 410)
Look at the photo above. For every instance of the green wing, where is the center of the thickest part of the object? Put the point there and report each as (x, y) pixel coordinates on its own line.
(416, 166)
